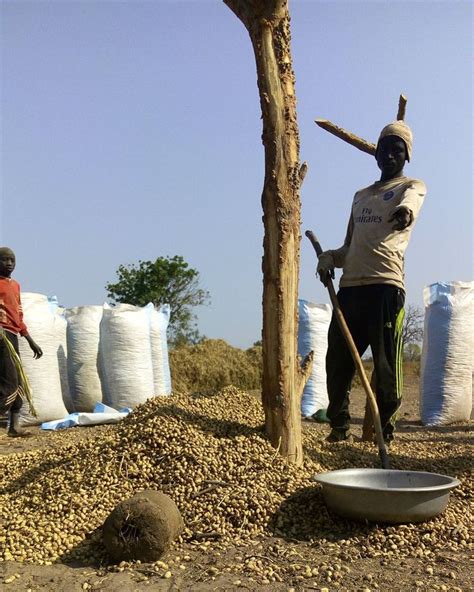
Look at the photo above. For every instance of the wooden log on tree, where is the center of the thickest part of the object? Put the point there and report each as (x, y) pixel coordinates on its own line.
(348, 137)
(402, 105)
(268, 24)
(351, 138)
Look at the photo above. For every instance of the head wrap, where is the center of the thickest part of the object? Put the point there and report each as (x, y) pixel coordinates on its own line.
(401, 130)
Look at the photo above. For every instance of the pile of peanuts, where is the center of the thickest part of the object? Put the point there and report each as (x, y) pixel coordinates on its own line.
(210, 454)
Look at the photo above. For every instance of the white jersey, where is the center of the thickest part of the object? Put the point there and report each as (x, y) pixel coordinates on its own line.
(375, 252)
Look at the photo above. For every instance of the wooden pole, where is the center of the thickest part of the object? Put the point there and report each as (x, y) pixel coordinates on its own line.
(348, 137)
(357, 359)
(351, 138)
(402, 105)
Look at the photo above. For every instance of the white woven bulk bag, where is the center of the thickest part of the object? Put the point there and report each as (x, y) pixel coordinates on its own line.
(446, 361)
(313, 325)
(83, 335)
(125, 348)
(43, 374)
(159, 350)
(60, 329)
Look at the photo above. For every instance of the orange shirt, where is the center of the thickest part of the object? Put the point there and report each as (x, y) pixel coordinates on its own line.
(11, 313)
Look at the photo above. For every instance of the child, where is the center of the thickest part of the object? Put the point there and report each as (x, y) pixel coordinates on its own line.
(371, 290)
(11, 325)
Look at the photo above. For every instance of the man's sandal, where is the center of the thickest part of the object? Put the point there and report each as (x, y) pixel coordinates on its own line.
(338, 436)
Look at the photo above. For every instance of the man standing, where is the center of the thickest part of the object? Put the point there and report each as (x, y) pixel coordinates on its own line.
(372, 290)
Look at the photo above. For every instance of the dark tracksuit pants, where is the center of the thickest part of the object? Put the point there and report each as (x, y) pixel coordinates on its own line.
(374, 315)
(9, 380)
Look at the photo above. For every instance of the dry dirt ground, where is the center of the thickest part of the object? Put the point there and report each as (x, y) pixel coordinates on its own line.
(206, 566)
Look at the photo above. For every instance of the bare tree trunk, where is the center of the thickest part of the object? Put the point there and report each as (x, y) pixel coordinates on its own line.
(268, 24)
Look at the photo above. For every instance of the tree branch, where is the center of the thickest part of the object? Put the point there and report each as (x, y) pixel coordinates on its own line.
(304, 374)
(302, 172)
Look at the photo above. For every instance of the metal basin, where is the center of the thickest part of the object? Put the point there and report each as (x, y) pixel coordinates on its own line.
(380, 495)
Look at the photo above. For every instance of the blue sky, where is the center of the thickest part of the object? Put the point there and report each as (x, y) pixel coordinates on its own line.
(131, 130)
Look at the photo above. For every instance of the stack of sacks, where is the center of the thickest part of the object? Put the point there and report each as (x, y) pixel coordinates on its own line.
(313, 325)
(83, 337)
(93, 354)
(46, 326)
(447, 355)
(60, 323)
(134, 354)
(159, 350)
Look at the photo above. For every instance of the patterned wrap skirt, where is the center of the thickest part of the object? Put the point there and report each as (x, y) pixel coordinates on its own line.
(10, 383)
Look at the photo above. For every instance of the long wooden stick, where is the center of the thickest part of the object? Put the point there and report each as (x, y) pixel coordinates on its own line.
(368, 422)
(357, 359)
(351, 138)
(402, 105)
(348, 137)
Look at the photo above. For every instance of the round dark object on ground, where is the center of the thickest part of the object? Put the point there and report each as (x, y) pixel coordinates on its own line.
(142, 527)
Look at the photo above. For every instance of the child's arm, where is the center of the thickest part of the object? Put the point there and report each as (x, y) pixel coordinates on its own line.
(37, 351)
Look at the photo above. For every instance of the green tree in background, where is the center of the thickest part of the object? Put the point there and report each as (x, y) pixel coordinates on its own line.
(168, 280)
